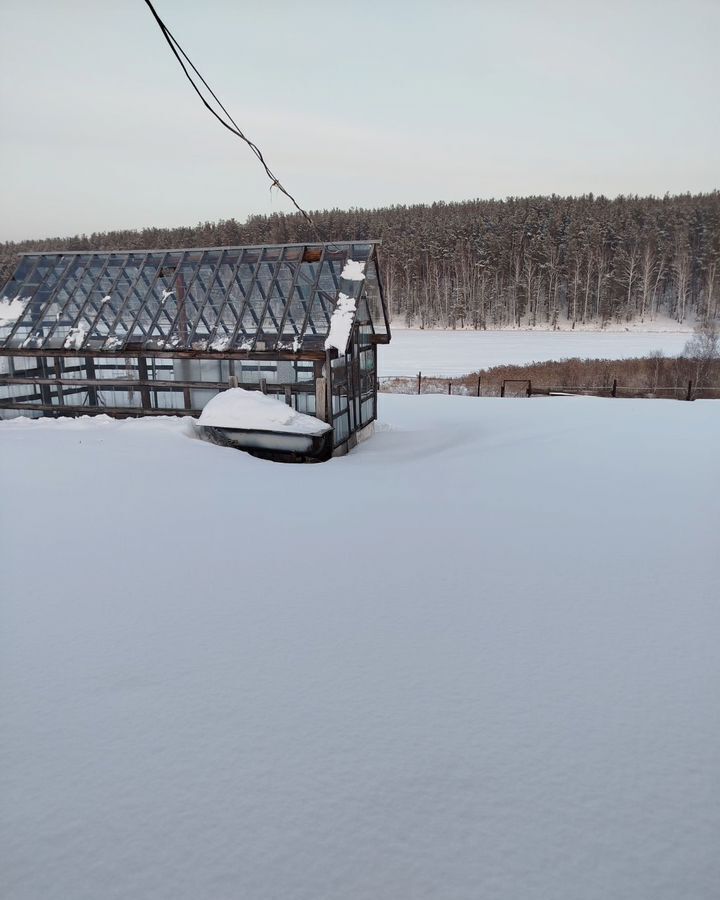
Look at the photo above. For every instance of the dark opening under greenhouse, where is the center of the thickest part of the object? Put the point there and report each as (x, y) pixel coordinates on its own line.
(161, 332)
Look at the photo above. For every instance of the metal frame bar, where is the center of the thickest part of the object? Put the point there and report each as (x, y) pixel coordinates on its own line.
(313, 292)
(99, 315)
(100, 308)
(335, 278)
(246, 296)
(66, 276)
(275, 286)
(85, 410)
(302, 283)
(259, 334)
(289, 300)
(139, 296)
(151, 282)
(182, 313)
(125, 302)
(249, 305)
(186, 249)
(201, 311)
(383, 304)
(31, 272)
(122, 353)
(154, 322)
(303, 387)
(226, 298)
(182, 307)
(31, 297)
(87, 301)
(180, 302)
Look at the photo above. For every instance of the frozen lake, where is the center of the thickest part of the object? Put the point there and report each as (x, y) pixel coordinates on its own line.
(459, 352)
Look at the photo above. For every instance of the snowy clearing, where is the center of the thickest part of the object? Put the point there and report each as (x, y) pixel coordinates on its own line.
(476, 658)
(460, 352)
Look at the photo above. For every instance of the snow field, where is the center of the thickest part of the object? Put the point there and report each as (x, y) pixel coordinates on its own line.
(461, 352)
(477, 657)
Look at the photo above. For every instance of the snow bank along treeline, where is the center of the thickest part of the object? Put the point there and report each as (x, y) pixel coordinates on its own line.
(552, 261)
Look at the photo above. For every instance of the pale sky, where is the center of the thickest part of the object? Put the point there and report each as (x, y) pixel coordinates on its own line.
(353, 104)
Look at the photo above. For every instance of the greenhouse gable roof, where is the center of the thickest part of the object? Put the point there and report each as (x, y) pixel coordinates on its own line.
(224, 299)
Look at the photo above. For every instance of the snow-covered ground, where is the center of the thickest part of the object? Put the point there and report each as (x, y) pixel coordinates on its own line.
(476, 658)
(436, 352)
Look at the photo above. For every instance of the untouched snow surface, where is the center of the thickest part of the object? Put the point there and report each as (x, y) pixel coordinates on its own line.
(459, 352)
(238, 408)
(513, 693)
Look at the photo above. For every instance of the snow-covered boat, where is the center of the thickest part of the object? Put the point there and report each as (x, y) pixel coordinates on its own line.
(265, 426)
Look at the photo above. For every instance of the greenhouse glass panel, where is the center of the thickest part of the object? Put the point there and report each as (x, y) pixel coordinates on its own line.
(221, 299)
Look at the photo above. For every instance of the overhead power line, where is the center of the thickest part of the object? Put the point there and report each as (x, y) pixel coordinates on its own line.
(230, 123)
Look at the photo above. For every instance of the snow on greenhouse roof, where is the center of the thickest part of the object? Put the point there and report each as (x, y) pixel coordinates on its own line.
(10, 310)
(223, 299)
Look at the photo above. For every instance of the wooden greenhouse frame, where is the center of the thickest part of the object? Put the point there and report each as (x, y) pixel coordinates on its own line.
(159, 332)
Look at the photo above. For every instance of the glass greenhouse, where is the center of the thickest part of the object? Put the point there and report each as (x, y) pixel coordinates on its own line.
(161, 332)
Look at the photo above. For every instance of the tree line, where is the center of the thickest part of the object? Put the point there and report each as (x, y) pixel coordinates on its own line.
(549, 262)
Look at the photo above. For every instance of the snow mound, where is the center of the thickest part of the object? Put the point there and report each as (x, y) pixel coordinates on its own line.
(354, 270)
(11, 310)
(238, 408)
(340, 324)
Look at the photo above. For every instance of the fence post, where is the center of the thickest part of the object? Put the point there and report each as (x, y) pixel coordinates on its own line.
(614, 388)
(689, 393)
(502, 389)
(529, 390)
(449, 387)
(478, 386)
(419, 381)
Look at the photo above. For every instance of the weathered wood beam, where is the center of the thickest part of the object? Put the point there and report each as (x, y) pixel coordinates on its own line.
(118, 411)
(122, 382)
(248, 355)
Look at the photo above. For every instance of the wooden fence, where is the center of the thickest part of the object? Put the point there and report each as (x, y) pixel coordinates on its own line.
(524, 387)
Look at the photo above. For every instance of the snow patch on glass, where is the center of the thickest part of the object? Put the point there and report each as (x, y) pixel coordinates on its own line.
(341, 323)
(354, 270)
(11, 310)
(76, 338)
